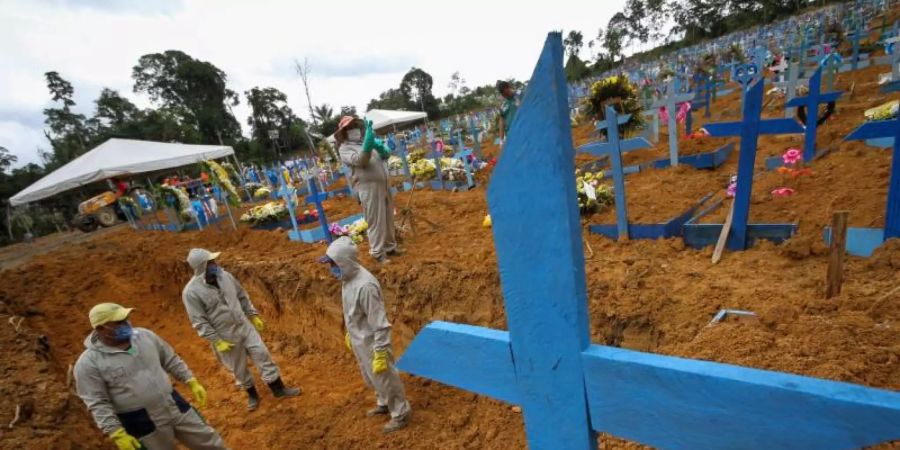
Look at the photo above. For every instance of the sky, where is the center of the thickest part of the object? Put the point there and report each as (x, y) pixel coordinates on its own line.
(355, 51)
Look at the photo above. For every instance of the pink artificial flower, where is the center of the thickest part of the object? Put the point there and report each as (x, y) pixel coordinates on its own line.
(337, 230)
(732, 189)
(439, 147)
(682, 113)
(792, 156)
(783, 192)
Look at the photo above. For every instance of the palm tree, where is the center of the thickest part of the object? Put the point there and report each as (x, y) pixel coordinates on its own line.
(323, 112)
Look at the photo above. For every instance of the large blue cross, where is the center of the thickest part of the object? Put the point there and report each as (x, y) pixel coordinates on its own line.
(878, 129)
(811, 102)
(614, 147)
(671, 101)
(568, 388)
(749, 129)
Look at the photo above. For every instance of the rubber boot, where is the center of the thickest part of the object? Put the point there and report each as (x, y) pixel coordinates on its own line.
(378, 410)
(280, 390)
(252, 398)
(397, 423)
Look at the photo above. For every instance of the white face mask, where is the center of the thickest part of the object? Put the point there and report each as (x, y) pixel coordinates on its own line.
(353, 135)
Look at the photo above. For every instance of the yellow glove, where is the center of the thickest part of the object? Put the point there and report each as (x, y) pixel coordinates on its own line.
(223, 346)
(380, 361)
(198, 391)
(125, 441)
(257, 322)
(347, 341)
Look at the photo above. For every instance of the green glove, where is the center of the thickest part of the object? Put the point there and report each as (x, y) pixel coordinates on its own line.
(368, 143)
(383, 151)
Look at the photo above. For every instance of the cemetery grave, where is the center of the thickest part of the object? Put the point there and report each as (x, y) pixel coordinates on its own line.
(656, 296)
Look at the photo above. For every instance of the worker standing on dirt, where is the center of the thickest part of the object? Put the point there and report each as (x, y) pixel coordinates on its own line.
(122, 378)
(370, 179)
(221, 312)
(368, 332)
(508, 109)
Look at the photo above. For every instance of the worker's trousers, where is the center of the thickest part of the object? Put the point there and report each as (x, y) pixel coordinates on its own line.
(388, 385)
(235, 360)
(173, 419)
(378, 209)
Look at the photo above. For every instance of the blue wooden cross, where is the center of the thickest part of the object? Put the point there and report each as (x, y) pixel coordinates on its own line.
(464, 154)
(749, 129)
(811, 102)
(790, 86)
(671, 102)
(404, 156)
(570, 389)
(858, 35)
(881, 129)
(613, 147)
(474, 131)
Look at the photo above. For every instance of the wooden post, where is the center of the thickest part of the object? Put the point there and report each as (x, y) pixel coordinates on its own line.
(836, 260)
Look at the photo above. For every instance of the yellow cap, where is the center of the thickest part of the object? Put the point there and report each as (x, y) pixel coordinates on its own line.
(107, 312)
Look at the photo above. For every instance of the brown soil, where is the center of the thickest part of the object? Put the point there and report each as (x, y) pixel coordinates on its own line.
(648, 295)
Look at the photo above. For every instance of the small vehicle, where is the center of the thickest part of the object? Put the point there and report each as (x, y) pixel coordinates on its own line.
(102, 210)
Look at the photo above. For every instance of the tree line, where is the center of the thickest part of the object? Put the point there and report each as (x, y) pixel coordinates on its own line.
(644, 21)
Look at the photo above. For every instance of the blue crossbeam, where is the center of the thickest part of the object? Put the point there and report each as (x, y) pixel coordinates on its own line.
(671, 402)
(811, 101)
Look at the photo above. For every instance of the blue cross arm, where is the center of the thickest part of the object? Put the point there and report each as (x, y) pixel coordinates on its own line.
(723, 129)
(804, 101)
(693, 404)
(876, 129)
(603, 148)
(779, 126)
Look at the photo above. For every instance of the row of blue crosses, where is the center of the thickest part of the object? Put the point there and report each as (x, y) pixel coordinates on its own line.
(570, 389)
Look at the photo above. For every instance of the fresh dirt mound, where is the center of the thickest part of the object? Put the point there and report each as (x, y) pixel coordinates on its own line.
(650, 296)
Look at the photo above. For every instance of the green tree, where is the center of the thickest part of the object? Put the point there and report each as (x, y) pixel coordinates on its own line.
(613, 39)
(416, 85)
(7, 159)
(393, 99)
(573, 42)
(116, 116)
(67, 131)
(195, 89)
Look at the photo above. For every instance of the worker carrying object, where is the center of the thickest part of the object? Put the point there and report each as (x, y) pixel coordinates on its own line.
(122, 378)
(368, 332)
(356, 141)
(220, 310)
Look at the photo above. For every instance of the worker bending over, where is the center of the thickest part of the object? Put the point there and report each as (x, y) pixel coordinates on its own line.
(220, 310)
(368, 332)
(123, 378)
(356, 142)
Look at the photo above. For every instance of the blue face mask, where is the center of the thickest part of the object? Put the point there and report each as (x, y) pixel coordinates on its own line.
(123, 332)
(336, 272)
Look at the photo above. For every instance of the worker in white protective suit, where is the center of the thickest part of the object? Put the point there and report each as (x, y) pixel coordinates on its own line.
(368, 332)
(123, 378)
(370, 181)
(221, 312)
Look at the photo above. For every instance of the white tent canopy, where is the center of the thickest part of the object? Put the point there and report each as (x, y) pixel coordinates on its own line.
(117, 157)
(382, 118)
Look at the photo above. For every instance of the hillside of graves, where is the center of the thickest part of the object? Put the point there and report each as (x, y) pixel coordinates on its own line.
(654, 295)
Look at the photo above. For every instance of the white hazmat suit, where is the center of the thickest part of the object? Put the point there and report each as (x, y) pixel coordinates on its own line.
(371, 184)
(223, 313)
(131, 389)
(367, 324)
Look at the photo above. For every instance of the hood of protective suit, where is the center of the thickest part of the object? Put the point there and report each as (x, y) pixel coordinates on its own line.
(197, 259)
(344, 254)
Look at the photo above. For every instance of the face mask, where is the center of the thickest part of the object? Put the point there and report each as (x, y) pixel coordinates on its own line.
(336, 272)
(123, 333)
(353, 135)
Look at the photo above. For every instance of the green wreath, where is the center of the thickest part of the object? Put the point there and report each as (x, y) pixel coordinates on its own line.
(618, 92)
